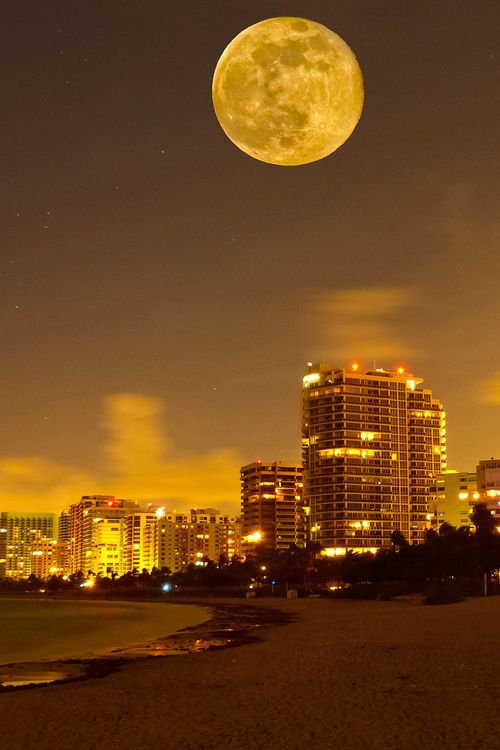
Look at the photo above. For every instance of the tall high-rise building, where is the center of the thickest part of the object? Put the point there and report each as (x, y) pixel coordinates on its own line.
(17, 532)
(137, 540)
(373, 441)
(63, 527)
(63, 548)
(272, 506)
(97, 533)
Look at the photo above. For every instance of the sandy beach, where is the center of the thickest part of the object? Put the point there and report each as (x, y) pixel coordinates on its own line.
(343, 675)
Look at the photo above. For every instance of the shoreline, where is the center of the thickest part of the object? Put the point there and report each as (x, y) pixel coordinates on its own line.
(228, 626)
(43, 629)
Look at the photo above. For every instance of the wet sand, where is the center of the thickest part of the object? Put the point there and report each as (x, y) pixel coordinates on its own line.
(220, 626)
(343, 675)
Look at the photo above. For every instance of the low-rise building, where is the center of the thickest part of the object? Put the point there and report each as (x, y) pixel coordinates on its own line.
(452, 498)
(488, 484)
(202, 534)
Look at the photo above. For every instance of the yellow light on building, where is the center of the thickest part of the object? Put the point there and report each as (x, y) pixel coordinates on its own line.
(334, 551)
(313, 377)
(255, 537)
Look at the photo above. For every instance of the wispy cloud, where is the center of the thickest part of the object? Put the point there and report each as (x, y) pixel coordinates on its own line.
(35, 483)
(136, 466)
(136, 445)
(362, 323)
(489, 391)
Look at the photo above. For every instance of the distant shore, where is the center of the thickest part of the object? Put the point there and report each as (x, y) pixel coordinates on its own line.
(352, 675)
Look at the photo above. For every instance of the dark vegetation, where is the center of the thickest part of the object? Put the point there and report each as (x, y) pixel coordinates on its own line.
(449, 565)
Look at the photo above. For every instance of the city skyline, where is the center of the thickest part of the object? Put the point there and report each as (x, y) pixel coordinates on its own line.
(143, 428)
(158, 284)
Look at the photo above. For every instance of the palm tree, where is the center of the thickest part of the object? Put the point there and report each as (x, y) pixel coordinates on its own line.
(483, 519)
(446, 529)
(398, 539)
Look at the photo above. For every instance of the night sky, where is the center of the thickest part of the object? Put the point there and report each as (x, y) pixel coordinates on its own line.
(161, 291)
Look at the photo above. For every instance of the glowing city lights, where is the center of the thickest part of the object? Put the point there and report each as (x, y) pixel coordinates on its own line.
(255, 537)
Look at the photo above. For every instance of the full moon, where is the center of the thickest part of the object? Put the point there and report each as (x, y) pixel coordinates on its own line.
(288, 91)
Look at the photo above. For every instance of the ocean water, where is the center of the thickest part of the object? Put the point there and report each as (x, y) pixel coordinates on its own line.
(35, 629)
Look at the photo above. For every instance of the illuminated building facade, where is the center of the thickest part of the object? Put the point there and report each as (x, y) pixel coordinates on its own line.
(17, 533)
(106, 556)
(272, 506)
(97, 534)
(62, 550)
(452, 498)
(43, 556)
(373, 441)
(184, 538)
(488, 484)
(137, 540)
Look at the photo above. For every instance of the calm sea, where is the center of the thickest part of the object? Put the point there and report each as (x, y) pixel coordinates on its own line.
(35, 629)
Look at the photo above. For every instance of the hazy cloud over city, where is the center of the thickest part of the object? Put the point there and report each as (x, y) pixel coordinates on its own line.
(136, 464)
